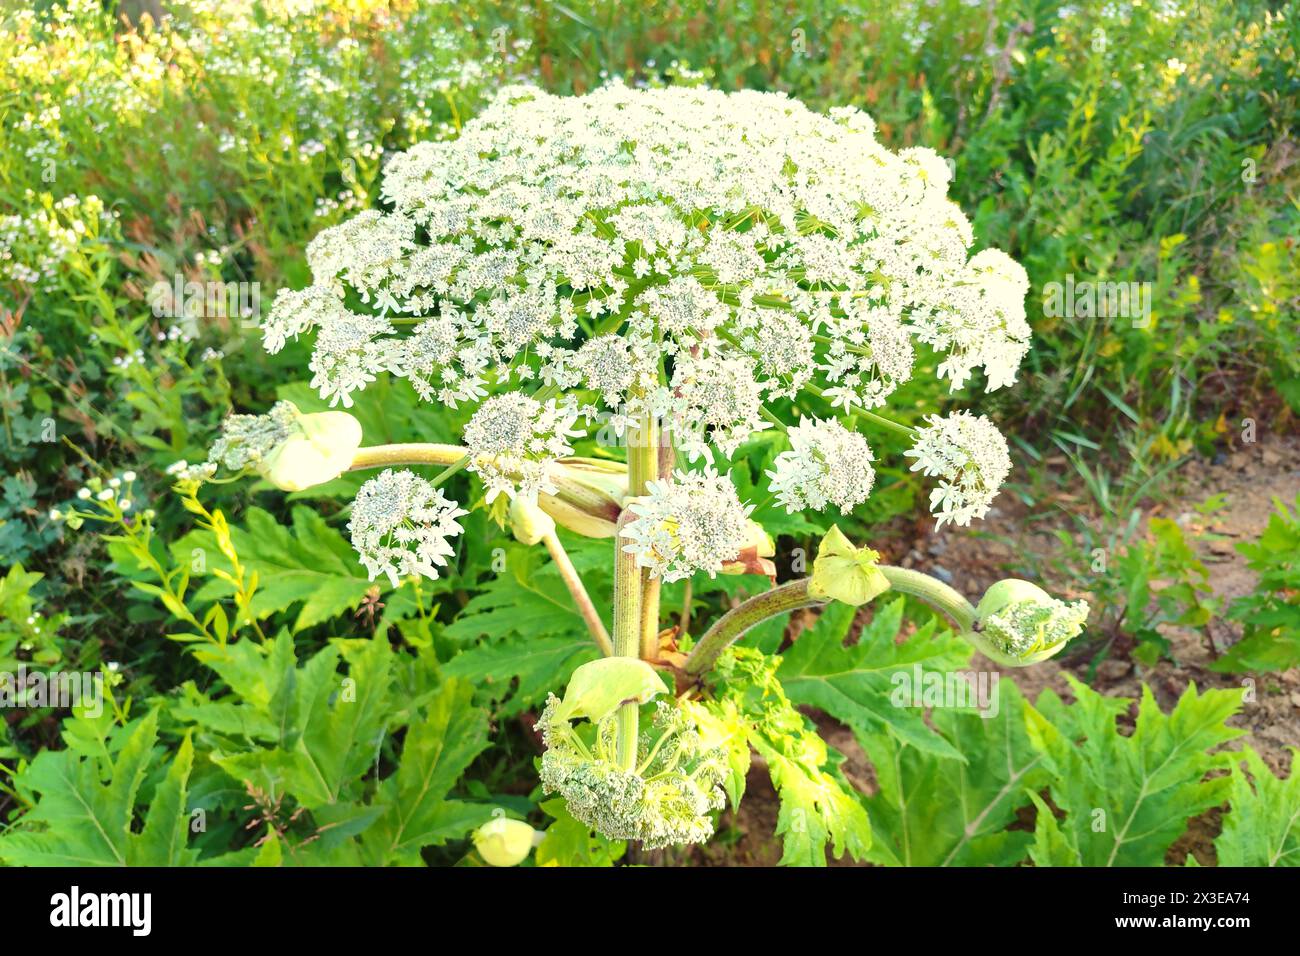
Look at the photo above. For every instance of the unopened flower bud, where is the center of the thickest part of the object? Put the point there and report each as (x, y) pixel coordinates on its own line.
(1024, 624)
(291, 450)
(589, 495)
(504, 842)
(528, 522)
(319, 451)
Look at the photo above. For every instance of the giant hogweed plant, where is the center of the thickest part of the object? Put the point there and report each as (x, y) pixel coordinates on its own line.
(666, 265)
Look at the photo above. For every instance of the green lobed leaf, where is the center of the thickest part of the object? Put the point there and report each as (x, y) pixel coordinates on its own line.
(79, 820)
(1262, 826)
(818, 808)
(854, 683)
(933, 811)
(435, 753)
(1126, 799)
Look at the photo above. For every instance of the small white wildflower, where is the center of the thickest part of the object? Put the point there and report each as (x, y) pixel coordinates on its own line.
(200, 472)
(826, 464)
(128, 476)
(969, 455)
(513, 440)
(105, 495)
(115, 482)
(83, 494)
(176, 467)
(693, 522)
(124, 504)
(56, 514)
(400, 526)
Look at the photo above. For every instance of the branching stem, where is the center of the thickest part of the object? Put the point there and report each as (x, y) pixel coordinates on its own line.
(794, 595)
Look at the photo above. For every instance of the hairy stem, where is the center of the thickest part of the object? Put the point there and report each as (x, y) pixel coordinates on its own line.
(733, 625)
(414, 453)
(646, 465)
(947, 601)
(636, 604)
(569, 574)
(794, 595)
(627, 633)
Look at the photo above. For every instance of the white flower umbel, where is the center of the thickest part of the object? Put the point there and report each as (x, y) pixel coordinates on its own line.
(513, 441)
(401, 525)
(826, 465)
(694, 522)
(747, 243)
(969, 456)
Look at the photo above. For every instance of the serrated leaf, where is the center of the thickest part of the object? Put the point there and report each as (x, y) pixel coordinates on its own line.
(341, 721)
(933, 811)
(818, 809)
(538, 666)
(1262, 827)
(854, 683)
(78, 820)
(309, 564)
(1126, 799)
(436, 751)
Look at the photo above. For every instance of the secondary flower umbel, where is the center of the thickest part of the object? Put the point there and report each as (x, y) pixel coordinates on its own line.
(969, 455)
(401, 525)
(826, 465)
(694, 522)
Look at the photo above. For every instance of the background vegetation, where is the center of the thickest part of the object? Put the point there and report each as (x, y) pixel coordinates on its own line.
(1119, 142)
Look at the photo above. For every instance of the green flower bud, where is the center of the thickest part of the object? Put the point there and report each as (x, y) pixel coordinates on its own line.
(1023, 624)
(528, 522)
(291, 450)
(504, 842)
(589, 495)
(319, 451)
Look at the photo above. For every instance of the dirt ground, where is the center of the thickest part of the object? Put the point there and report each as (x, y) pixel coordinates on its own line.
(974, 559)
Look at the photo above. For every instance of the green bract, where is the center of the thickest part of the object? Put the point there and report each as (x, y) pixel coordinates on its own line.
(319, 451)
(1025, 623)
(291, 450)
(597, 688)
(504, 842)
(844, 572)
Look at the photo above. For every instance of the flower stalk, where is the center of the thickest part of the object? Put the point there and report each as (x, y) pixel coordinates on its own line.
(569, 574)
(795, 595)
(627, 632)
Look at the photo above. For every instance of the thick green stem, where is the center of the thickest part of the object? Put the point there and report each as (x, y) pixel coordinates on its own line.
(636, 604)
(933, 592)
(794, 595)
(733, 625)
(627, 633)
(413, 453)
